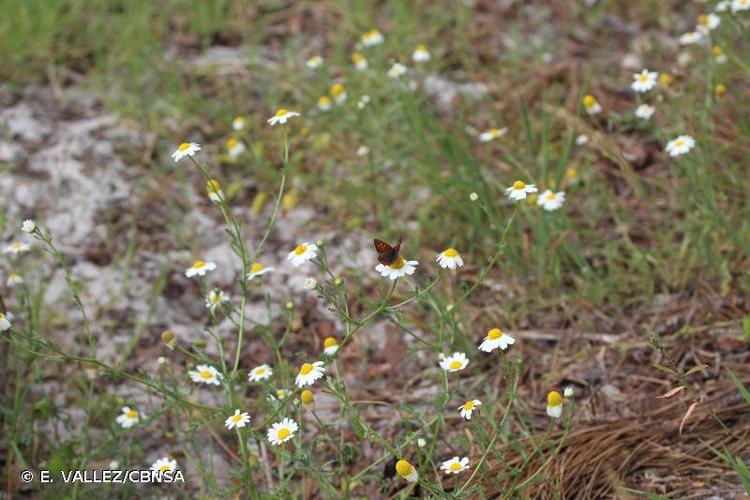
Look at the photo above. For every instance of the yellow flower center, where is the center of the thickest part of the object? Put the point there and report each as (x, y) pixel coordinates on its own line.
(703, 20)
(198, 264)
(2, 316)
(256, 267)
(399, 263)
(357, 57)
(550, 196)
(284, 433)
(455, 365)
(643, 77)
(571, 173)
(554, 399)
(494, 334)
(300, 249)
(237, 418)
(165, 468)
(422, 48)
(260, 371)
(469, 405)
(451, 252)
(280, 394)
(131, 414)
(281, 112)
(519, 185)
(717, 50)
(665, 79)
(307, 397)
(404, 468)
(455, 466)
(184, 146)
(679, 143)
(589, 101)
(329, 342)
(207, 374)
(324, 100)
(213, 185)
(232, 143)
(306, 368)
(239, 120)
(337, 89)
(17, 245)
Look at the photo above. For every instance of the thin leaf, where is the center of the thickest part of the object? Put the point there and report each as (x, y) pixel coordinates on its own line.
(695, 369)
(740, 386)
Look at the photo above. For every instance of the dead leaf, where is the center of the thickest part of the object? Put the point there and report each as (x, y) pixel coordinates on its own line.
(687, 414)
(671, 392)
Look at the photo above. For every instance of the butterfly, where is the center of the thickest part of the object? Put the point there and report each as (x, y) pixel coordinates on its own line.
(387, 254)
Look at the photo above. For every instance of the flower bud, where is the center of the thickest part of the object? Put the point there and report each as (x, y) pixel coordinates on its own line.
(169, 338)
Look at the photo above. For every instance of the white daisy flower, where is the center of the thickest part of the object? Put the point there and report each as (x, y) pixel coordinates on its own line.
(164, 464)
(644, 111)
(691, 38)
(723, 6)
(707, 23)
(213, 189)
(396, 71)
(185, 149)
(4, 322)
(738, 5)
(551, 201)
(372, 37)
(277, 396)
(719, 56)
(14, 279)
(238, 420)
(283, 431)
(199, 268)
(492, 134)
(258, 269)
(28, 226)
(259, 373)
(468, 408)
(309, 373)
(359, 61)
(206, 375)
(311, 283)
(314, 62)
(519, 190)
(407, 471)
(238, 123)
(679, 146)
(235, 147)
(455, 465)
(454, 363)
(330, 346)
(324, 103)
(362, 151)
(302, 253)
(591, 105)
(554, 404)
(281, 116)
(449, 259)
(582, 140)
(421, 54)
(17, 248)
(398, 269)
(496, 338)
(215, 298)
(128, 418)
(363, 101)
(338, 92)
(644, 81)
(568, 392)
